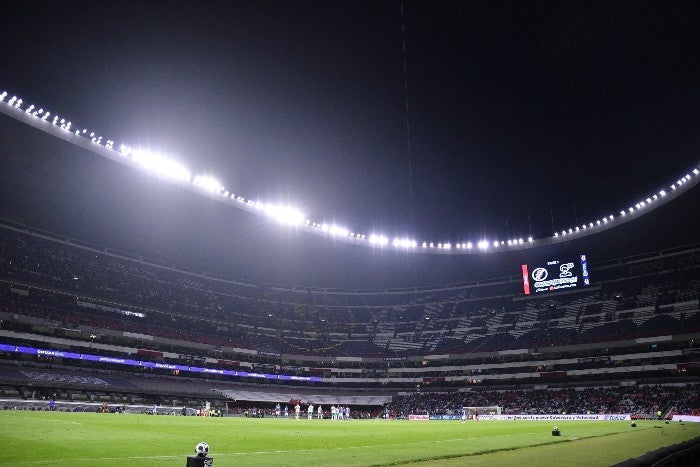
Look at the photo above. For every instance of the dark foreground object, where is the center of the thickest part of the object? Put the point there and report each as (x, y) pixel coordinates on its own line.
(198, 461)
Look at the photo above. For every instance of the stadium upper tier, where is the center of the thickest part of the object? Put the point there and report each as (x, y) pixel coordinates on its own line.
(91, 288)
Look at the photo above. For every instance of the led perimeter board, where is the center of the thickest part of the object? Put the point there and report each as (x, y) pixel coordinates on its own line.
(555, 275)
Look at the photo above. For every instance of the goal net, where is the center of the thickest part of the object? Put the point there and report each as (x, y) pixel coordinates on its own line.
(487, 410)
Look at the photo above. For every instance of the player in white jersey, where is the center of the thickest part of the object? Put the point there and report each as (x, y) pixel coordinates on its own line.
(310, 412)
(297, 410)
(320, 413)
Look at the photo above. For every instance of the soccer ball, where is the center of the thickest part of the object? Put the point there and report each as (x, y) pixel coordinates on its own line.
(202, 449)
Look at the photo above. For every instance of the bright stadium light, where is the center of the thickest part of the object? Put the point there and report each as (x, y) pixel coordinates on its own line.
(338, 231)
(380, 240)
(160, 166)
(284, 214)
(207, 183)
(167, 168)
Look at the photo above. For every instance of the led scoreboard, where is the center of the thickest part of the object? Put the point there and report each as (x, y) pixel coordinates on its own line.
(555, 275)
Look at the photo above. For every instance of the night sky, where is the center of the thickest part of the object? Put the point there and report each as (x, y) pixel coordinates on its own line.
(525, 118)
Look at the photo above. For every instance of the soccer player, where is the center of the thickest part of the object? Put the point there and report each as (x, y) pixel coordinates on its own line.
(333, 412)
(155, 409)
(297, 411)
(286, 411)
(476, 415)
(340, 413)
(277, 411)
(347, 412)
(310, 412)
(320, 413)
(464, 415)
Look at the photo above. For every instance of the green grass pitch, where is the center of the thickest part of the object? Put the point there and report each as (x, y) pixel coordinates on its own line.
(82, 439)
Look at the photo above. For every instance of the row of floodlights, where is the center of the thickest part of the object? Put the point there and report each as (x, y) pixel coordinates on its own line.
(643, 204)
(165, 167)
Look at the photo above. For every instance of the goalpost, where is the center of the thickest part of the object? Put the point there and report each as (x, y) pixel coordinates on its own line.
(485, 410)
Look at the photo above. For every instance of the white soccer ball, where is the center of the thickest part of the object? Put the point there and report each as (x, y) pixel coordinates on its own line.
(202, 449)
(556, 428)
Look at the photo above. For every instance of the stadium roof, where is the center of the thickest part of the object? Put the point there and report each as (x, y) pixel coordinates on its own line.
(522, 120)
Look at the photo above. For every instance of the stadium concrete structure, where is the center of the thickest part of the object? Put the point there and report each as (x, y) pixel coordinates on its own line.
(636, 325)
(90, 318)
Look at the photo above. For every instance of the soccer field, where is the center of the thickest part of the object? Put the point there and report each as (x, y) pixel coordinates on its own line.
(77, 439)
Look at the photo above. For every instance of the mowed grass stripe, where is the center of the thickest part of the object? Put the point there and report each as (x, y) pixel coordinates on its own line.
(43, 438)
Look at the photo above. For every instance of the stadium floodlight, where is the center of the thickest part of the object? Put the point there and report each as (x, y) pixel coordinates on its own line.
(380, 240)
(284, 214)
(160, 166)
(207, 183)
(167, 168)
(404, 243)
(338, 231)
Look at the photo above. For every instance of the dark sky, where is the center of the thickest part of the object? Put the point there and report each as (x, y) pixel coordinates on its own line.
(524, 116)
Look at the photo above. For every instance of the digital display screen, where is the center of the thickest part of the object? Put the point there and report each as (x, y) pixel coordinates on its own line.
(146, 364)
(555, 275)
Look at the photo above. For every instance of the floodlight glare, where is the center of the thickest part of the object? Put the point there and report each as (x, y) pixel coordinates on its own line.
(209, 184)
(380, 240)
(284, 214)
(336, 230)
(167, 168)
(160, 166)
